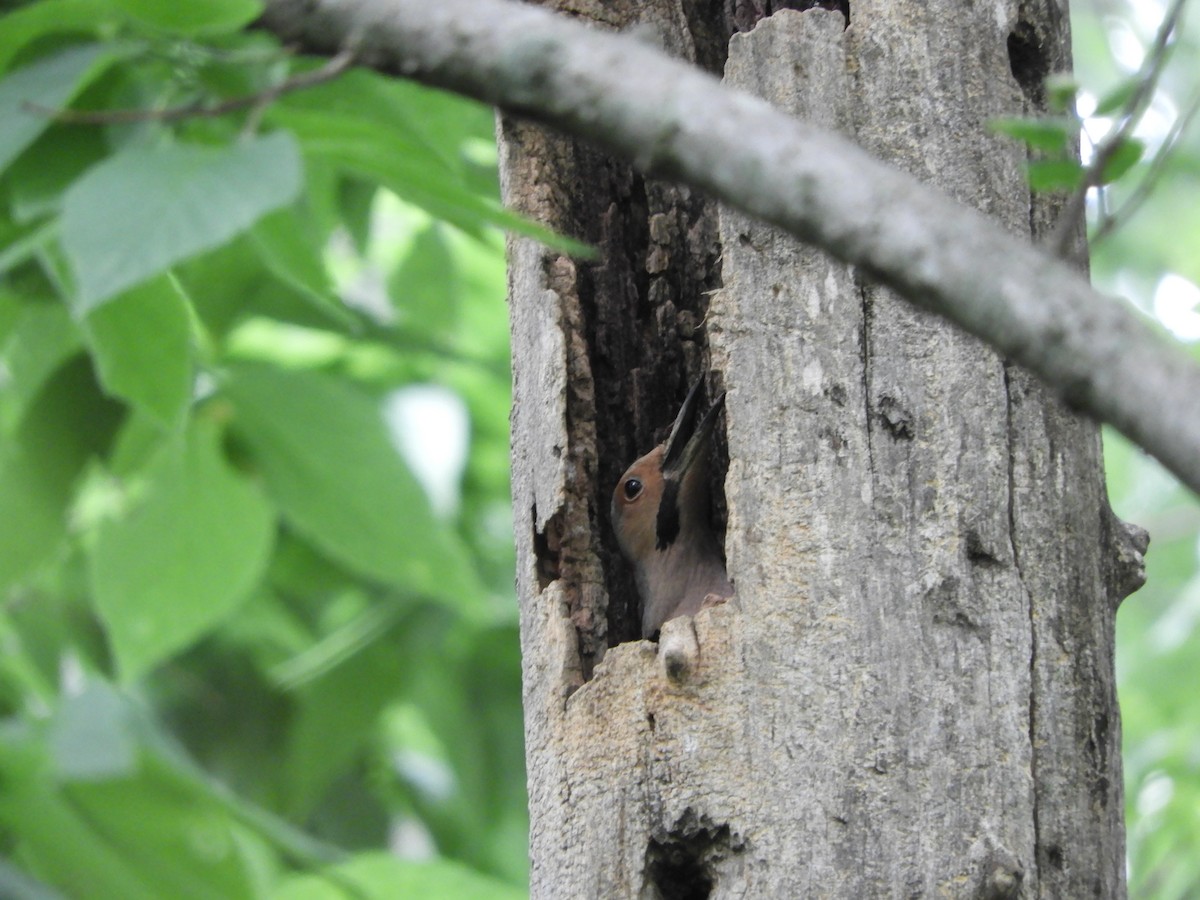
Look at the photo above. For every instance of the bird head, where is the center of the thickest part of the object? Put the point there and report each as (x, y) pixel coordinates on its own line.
(664, 494)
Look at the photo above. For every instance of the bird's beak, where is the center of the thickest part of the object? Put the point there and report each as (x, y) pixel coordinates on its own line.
(689, 440)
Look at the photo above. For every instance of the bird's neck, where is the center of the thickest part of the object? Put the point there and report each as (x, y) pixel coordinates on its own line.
(676, 580)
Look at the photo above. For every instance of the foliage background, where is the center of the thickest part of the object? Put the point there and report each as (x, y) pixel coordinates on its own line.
(1152, 259)
(257, 626)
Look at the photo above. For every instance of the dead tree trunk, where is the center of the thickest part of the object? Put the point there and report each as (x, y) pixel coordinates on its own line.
(912, 693)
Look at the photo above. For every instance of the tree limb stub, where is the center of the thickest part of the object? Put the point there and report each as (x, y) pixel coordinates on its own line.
(677, 122)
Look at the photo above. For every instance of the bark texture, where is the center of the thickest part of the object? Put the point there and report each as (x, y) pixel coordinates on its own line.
(628, 336)
(912, 693)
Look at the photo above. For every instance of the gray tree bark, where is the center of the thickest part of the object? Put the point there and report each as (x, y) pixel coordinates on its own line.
(912, 693)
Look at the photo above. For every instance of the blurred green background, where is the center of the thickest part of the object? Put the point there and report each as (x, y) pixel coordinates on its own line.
(1153, 259)
(257, 625)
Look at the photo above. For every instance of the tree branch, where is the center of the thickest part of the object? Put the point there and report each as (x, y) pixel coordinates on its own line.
(197, 110)
(676, 122)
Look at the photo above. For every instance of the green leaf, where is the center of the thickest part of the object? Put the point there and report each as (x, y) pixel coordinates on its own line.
(1126, 155)
(356, 200)
(226, 284)
(176, 835)
(194, 17)
(293, 255)
(43, 338)
(337, 478)
(381, 876)
(1050, 135)
(48, 85)
(345, 701)
(90, 736)
(61, 155)
(343, 643)
(16, 885)
(375, 131)
(1054, 174)
(184, 556)
(59, 845)
(426, 286)
(23, 26)
(23, 246)
(386, 154)
(171, 202)
(140, 343)
(65, 423)
(1118, 98)
(1061, 90)
(147, 827)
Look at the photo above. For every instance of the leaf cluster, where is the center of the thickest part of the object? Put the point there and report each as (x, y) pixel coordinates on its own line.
(243, 652)
(1054, 140)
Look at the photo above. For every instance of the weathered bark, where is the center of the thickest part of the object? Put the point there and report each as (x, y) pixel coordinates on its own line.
(912, 693)
(629, 325)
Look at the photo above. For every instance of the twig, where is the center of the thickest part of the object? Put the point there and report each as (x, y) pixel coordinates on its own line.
(1062, 239)
(333, 67)
(1109, 223)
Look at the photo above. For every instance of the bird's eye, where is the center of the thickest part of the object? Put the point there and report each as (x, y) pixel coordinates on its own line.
(633, 488)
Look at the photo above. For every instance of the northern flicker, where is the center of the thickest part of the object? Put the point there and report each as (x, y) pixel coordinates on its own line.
(660, 510)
